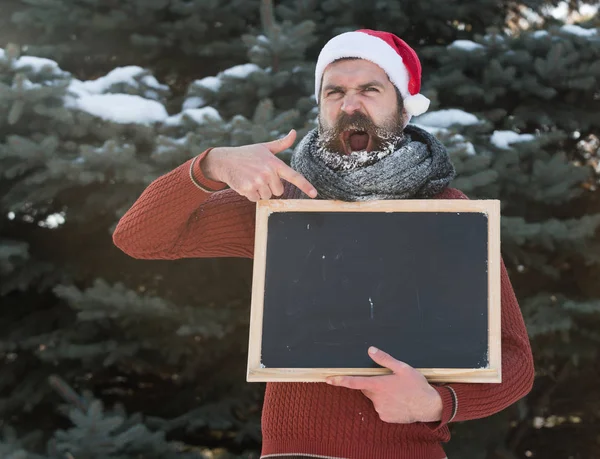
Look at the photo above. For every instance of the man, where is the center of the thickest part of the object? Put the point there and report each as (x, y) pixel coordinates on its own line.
(367, 86)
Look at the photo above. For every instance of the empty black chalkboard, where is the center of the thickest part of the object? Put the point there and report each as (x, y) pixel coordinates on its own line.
(409, 277)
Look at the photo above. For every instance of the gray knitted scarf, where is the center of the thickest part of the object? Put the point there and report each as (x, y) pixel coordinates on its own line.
(417, 167)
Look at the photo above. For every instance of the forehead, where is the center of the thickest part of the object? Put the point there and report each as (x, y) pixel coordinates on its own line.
(353, 71)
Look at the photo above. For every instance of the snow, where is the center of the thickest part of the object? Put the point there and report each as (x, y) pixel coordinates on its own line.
(152, 82)
(356, 159)
(431, 129)
(241, 71)
(460, 140)
(53, 221)
(466, 45)
(469, 148)
(211, 83)
(494, 38)
(447, 118)
(214, 84)
(529, 18)
(78, 88)
(193, 102)
(36, 63)
(119, 75)
(588, 10)
(540, 34)
(502, 139)
(89, 96)
(33, 64)
(168, 148)
(579, 31)
(561, 11)
(120, 108)
(25, 84)
(199, 115)
(463, 143)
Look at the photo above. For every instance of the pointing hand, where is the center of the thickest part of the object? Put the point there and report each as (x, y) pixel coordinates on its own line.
(255, 171)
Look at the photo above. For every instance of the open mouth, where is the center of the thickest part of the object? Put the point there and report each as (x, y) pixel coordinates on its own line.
(356, 140)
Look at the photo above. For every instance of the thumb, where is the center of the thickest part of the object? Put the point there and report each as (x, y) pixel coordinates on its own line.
(279, 145)
(386, 360)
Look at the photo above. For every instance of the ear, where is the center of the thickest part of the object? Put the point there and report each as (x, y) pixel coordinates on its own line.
(405, 118)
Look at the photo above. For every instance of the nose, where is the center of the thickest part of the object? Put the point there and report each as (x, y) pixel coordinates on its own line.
(350, 104)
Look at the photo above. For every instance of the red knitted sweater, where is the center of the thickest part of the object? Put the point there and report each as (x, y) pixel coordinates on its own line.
(175, 219)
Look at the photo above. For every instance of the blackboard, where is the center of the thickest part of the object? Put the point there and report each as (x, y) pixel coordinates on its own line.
(418, 279)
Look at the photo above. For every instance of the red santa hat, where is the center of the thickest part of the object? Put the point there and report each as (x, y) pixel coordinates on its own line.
(389, 52)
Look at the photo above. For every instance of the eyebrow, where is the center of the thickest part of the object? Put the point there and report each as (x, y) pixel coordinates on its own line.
(362, 86)
(372, 83)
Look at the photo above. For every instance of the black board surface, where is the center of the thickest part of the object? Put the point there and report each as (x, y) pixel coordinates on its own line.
(412, 284)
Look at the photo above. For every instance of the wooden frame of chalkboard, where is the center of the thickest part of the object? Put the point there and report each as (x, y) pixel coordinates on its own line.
(489, 304)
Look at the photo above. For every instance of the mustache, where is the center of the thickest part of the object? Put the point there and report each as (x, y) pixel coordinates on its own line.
(356, 121)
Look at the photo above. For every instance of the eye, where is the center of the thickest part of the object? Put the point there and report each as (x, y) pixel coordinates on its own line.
(371, 89)
(333, 91)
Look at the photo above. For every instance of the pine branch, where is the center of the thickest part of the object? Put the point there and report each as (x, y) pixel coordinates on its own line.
(66, 392)
(540, 405)
(267, 15)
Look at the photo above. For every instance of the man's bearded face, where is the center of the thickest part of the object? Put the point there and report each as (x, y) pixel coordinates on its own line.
(360, 114)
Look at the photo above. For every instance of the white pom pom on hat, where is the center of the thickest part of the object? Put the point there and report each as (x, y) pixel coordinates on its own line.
(389, 52)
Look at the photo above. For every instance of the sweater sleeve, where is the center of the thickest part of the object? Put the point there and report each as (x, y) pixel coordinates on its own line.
(173, 218)
(466, 401)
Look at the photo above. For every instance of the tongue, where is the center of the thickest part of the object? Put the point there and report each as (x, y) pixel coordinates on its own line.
(359, 142)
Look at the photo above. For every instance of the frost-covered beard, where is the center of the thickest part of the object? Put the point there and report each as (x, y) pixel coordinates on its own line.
(356, 141)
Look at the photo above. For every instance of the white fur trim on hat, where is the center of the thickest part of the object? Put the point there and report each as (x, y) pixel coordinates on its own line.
(417, 104)
(363, 46)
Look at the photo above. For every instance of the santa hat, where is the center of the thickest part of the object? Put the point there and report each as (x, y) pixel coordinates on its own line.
(389, 52)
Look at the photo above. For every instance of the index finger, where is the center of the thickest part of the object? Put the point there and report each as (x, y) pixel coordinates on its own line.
(351, 382)
(289, 174)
